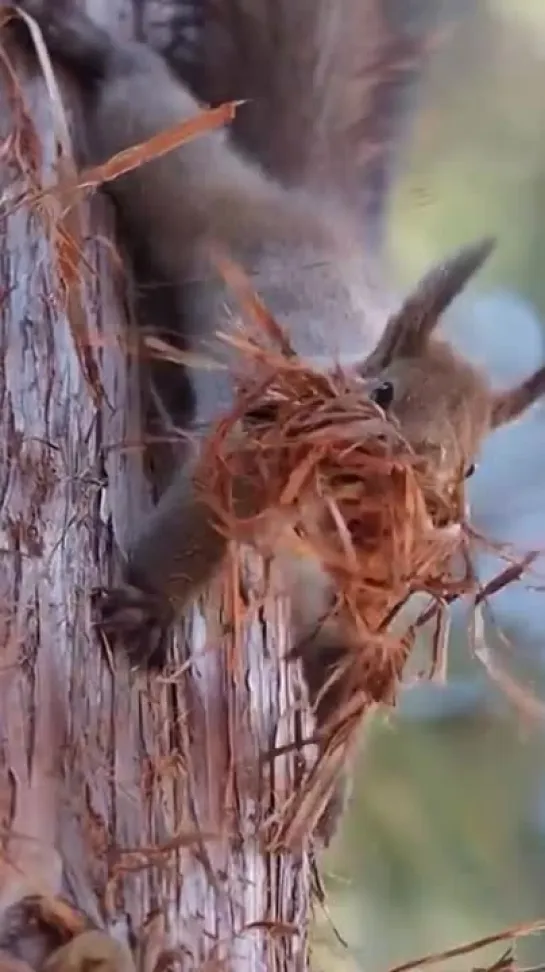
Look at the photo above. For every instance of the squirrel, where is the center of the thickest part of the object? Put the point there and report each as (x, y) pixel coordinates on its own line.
(305, 261)
(445, 408)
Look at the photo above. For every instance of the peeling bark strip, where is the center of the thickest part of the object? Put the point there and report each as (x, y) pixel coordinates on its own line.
(122, 795)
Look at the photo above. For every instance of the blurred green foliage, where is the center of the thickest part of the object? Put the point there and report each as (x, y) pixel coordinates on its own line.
(433, 851)
(439, 845)
(477, 158)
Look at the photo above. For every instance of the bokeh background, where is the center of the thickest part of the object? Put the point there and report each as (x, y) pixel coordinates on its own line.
(445, 837)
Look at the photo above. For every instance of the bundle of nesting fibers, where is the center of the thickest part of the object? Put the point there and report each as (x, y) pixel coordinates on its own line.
(332, 478)
(326, 457)
(318, 451)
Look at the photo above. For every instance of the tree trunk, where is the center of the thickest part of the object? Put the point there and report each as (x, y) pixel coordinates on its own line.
(125, 777)
(125, 794)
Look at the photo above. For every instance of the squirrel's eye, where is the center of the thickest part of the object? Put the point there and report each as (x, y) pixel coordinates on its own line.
(263, 413)
(470, 470)
(383, 395)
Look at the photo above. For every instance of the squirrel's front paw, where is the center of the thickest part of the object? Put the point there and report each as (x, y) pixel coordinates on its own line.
(137, 618)
(91, 949)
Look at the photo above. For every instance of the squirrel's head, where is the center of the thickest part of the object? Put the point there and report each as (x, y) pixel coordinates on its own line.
(444, 405)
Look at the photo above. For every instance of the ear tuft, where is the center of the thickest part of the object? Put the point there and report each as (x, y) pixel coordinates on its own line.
(407, 332)
(508, 405)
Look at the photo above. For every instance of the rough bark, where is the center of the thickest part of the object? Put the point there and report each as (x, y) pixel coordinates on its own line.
(101, 766)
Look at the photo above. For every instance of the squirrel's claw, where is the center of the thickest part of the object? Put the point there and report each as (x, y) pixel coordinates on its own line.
(137, 618)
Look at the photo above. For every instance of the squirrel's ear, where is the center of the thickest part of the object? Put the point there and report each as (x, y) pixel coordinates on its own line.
(508, 405)
(407, 332)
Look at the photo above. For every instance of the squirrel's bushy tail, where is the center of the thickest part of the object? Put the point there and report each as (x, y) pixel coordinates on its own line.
(330, 87)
